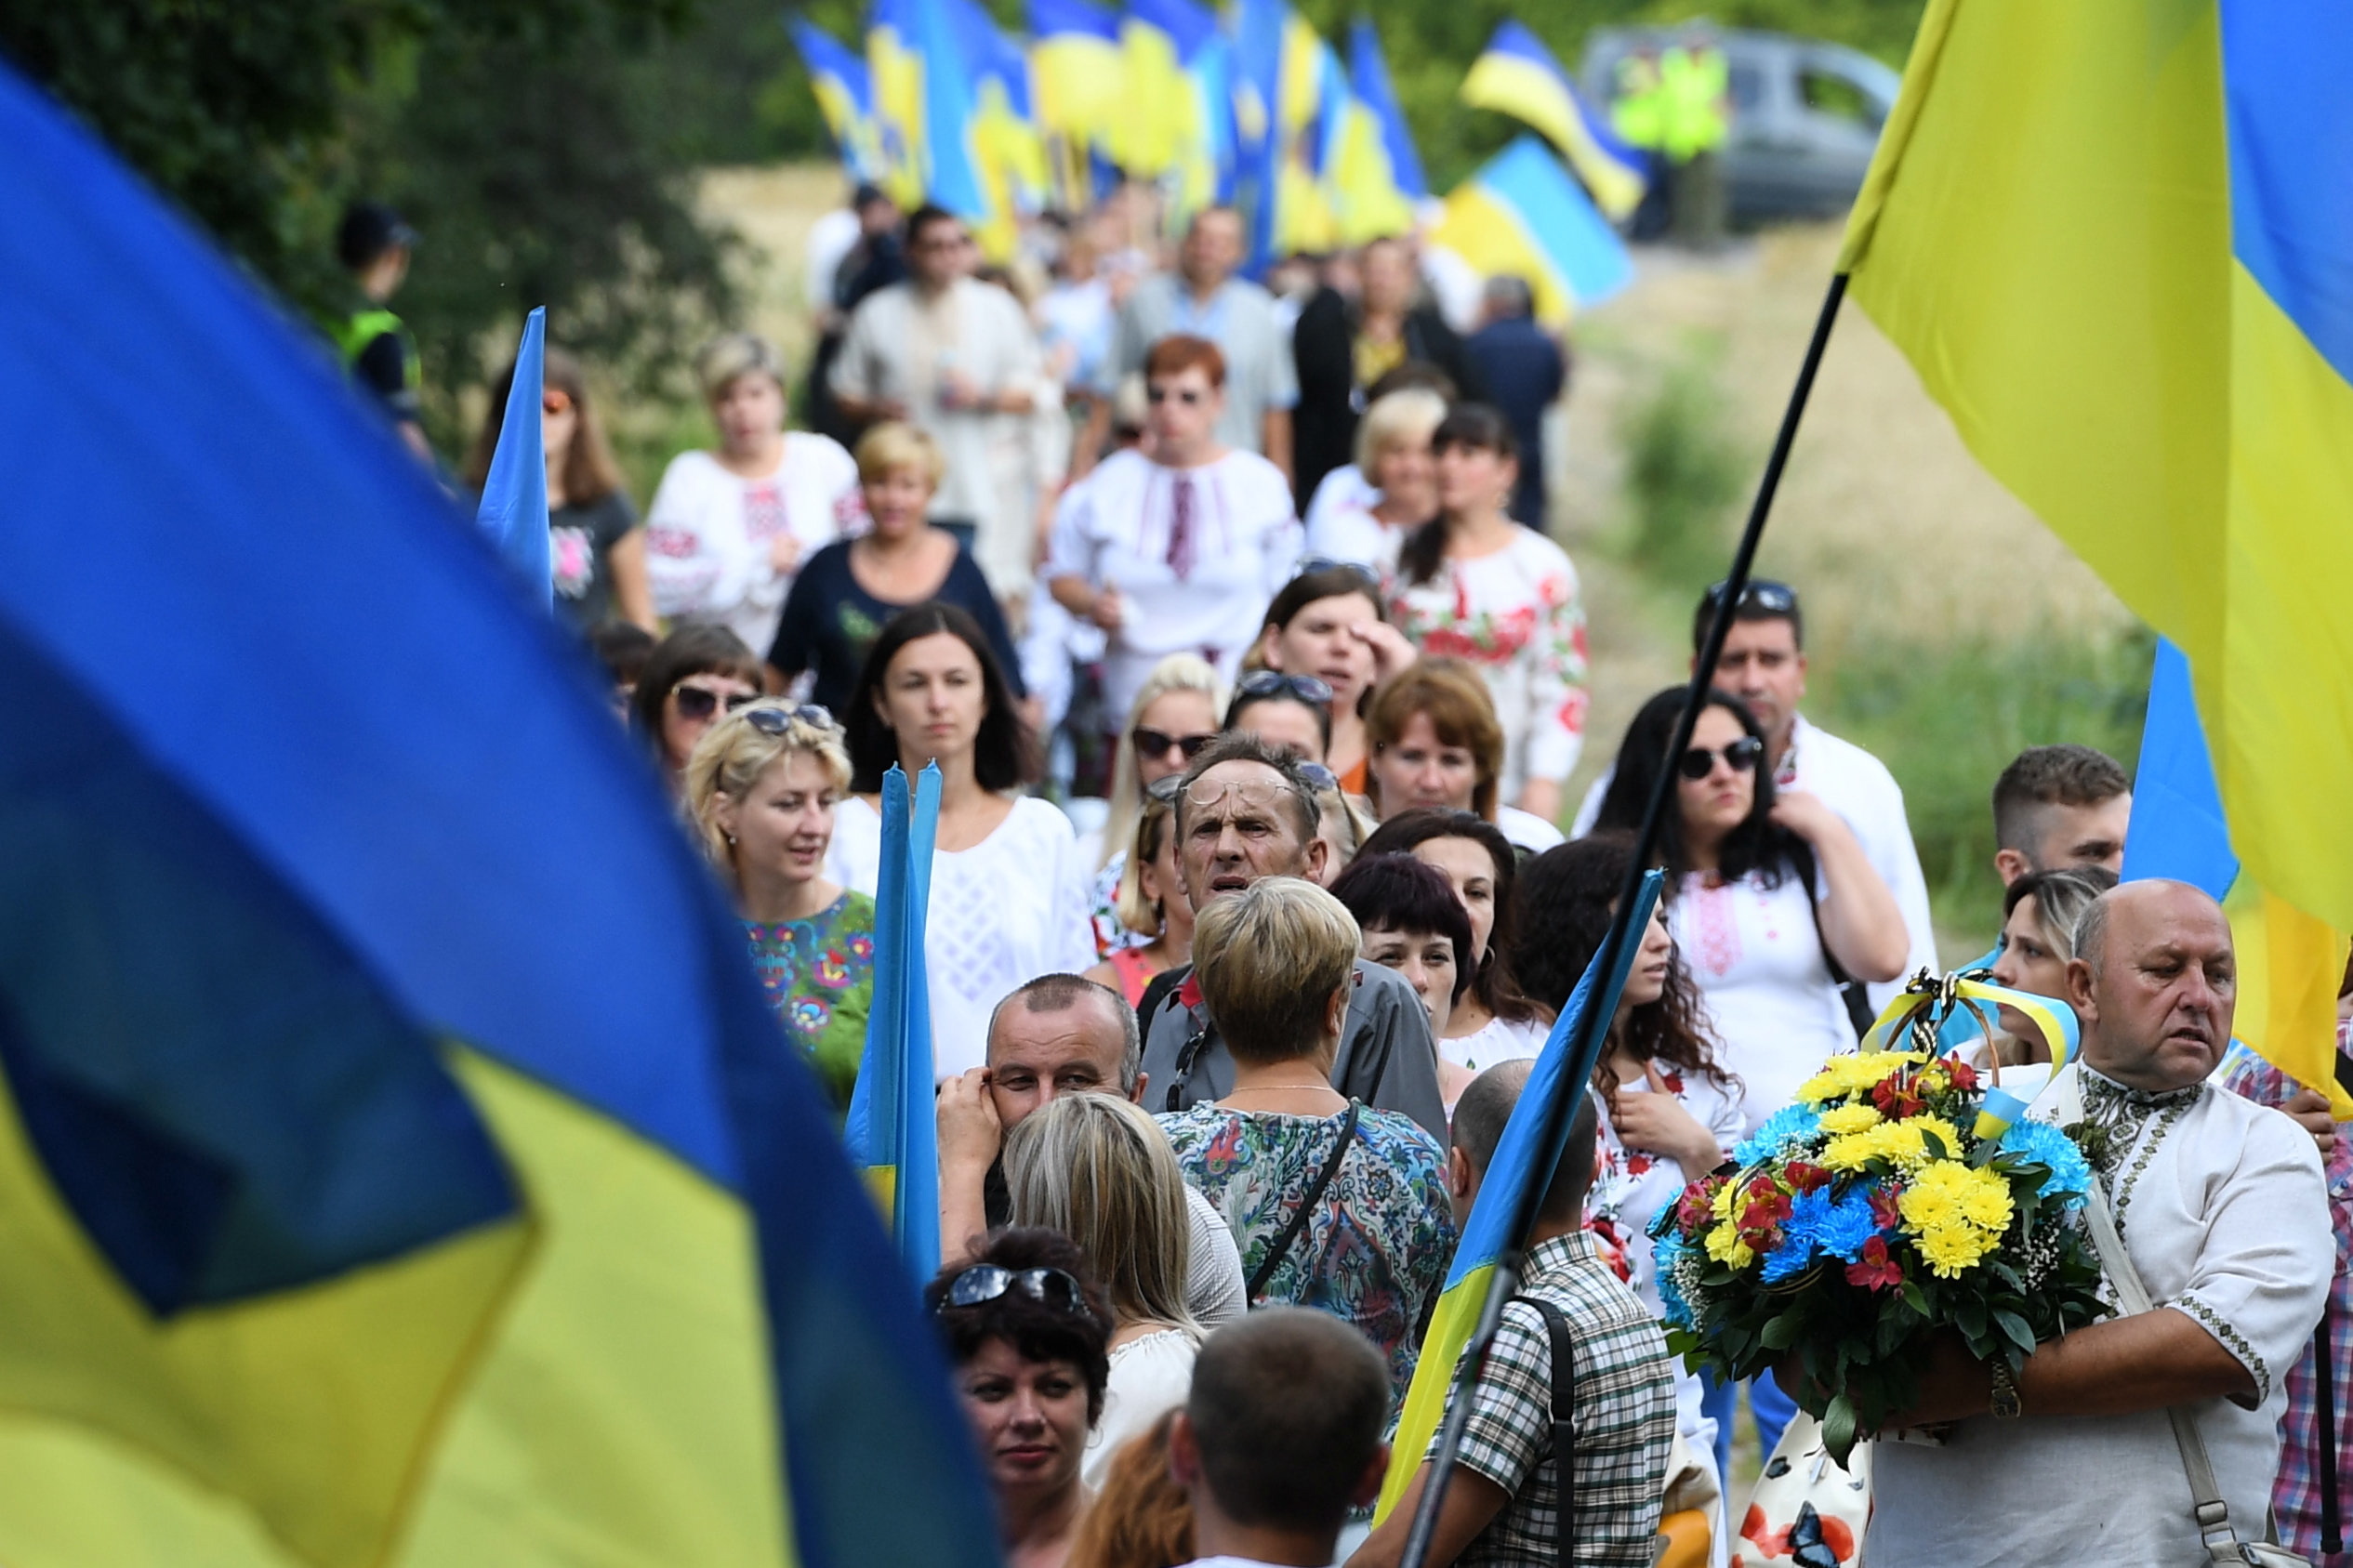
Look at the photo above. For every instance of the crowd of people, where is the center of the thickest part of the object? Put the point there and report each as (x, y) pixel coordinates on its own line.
(1254, 678)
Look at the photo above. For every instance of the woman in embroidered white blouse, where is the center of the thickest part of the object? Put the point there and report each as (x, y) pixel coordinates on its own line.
(1177, 553)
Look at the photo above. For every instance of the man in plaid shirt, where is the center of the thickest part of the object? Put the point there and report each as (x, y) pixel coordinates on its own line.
(1503, 1508)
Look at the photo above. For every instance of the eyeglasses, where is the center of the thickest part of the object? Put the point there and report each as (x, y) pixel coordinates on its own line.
(1190, 397)
(1164, 788)
(1740, 757)
(1263, 683)
(701, 702)
(1760, 593)
(1154, 744)
(1319, 778)
(776, 721)
(554, 399)
(1257, 796)
(986, 1282)
(1309, 565)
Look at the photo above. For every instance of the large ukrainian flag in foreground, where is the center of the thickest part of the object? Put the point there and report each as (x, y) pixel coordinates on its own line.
(1519, 1163)
(396, 1165)
(2113, 238)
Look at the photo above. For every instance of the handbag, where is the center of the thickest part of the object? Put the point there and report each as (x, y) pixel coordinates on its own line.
(1307, 1209)
(1805, 1511)
(2212, 1514)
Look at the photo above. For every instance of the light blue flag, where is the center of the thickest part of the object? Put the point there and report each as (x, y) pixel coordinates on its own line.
(1370, 70)
(952, 176)
(2177, 828)
(889, 1130)
(513, 514)
(1257, 97)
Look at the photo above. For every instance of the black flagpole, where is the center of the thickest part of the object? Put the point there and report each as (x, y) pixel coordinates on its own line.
(1594, 1028)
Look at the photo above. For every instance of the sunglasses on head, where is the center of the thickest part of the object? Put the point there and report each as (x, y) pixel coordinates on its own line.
(1760, 593)
(1740, 757)
(1189, 396)
(986, 1282)
(775, 721)
(1154, 744)
(1310, 565)
(701, 702)
(1319, 778)
(1265, 683)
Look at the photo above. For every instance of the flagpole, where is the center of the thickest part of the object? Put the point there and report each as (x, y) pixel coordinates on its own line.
(1593, 1028)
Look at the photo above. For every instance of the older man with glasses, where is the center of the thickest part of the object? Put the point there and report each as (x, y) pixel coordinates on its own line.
(1246, 810)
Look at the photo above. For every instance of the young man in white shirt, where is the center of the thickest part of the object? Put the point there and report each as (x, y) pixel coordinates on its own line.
(1280, 1439)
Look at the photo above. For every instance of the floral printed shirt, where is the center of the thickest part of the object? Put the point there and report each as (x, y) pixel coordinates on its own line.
(1377, 1251)
(818, 975)
(1516, 616)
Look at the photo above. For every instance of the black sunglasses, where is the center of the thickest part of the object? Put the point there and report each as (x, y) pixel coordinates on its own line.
(1310, 565)
(1157, 744)
(1263, 683)
(1740, 757)
(1164, 788)
(775, 721)
(1760, 593)
(986, 1282)
(701, 702)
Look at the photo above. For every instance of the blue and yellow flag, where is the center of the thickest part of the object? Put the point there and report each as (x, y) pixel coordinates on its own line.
(1078, 79)
(1008, 154)
(1521, 213)
(2127, 273)
(1522, 1160)
(1179, 114)
(894, 60)
(512, 513)
(844, 88)
(1377, 176)
(398, 1164)
(1518, 76)
(890, 1132)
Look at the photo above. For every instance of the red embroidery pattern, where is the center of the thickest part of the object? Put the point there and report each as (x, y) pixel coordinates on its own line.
(1718, 947)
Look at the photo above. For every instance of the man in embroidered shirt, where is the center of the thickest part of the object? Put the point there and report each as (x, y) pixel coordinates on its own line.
(1763, 664)
(2222, 1210)
(1502, 1505)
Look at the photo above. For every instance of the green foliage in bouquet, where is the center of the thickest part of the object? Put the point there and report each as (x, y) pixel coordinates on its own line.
(1869, 1216)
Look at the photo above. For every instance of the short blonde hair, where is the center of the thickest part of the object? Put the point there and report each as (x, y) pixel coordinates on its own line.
(1411, 413)
(736, 353)
(730, 759)
(1269, 959)
(1099, 1171)
(1143, 915)
(894, 444)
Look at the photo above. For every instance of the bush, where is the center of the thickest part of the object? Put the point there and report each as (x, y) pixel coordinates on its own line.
(1683, 471)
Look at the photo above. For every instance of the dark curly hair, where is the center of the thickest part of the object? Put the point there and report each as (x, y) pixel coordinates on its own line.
(1039, 1331)
(1565, 898)
(1758, 845)
(1496, 983)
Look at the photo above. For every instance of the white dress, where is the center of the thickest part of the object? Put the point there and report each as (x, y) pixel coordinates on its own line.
(1526, 830)
(2222, 1206)
(708, 535)
(1150, 1377)
(1350, 531)
(1196, 554)
(1757, 958)
(1495, 1041)
(1009, 909)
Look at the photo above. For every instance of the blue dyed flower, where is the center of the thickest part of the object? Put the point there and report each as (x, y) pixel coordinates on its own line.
(1791, 1258)
(1790, 1125)
(1664, 1259)
(2049, 1147)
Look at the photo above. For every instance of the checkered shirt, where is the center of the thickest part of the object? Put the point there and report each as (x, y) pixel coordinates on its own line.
(1625, 1419)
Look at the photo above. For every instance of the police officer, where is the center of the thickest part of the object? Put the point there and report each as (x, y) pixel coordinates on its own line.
(374, 245)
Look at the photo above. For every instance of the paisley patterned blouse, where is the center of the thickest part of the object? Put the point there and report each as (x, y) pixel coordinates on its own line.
(1377, 1251)
(819, 977)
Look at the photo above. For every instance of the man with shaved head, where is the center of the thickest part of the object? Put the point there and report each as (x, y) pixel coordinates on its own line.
(2223, 1214)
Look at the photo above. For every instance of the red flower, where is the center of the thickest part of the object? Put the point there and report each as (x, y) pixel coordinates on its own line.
(1805, 1178)
(1964, 1077)
(1883, 1212)
(1766, 1210)
(1695, 1208)
(1895, 1097)
(1876, 1270)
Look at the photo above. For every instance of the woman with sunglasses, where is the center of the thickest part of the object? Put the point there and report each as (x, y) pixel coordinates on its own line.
(1180, 551)
(761, 790)
(1174, 715)
(1150, 901)
(1008, 894)
(729, 529)
(1770, 899)
(1474, 585)
(841, 598)
(1435, 741)
(1328, 621)
(595, 547)
(1028, 1334)
(691, 678)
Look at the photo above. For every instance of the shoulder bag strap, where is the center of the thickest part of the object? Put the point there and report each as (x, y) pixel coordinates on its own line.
(1860, 1015)
(2213, 1513)
(1563, 1418)
(1307, 1209)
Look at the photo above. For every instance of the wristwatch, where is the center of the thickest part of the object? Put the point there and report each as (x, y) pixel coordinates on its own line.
(2006, 1391)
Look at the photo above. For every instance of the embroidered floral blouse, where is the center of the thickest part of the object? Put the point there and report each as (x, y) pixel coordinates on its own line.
(818, 975)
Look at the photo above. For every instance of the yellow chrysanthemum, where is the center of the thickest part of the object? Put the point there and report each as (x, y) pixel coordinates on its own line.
(1843, 1075)
(1849, 1119)
(1848, 1152)
(1985, 1201)
(1949, 1249)
(1721, 1204)
(1726, 1247)
(1927, 1206)
(1946, 1132)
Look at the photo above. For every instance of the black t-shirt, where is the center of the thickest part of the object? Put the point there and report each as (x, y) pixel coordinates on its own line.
(830, 622)
(382, 368)
(580, 541)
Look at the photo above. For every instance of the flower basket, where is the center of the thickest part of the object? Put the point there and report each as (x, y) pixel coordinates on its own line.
(1887, 1205)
